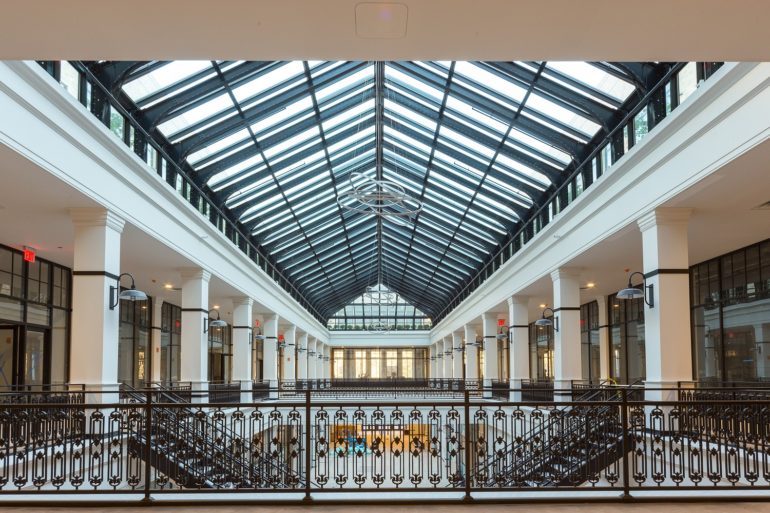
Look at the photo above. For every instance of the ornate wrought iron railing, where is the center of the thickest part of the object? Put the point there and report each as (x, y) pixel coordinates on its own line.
(160, 446)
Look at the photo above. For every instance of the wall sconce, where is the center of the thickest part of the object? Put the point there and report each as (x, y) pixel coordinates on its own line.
(216, 323)
(631, 292)
(543, 321)
(130, 294)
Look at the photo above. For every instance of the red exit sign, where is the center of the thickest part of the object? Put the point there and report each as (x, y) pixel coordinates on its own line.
(29, 255)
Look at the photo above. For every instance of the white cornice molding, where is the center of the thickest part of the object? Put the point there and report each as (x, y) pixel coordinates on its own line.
(141, 178)
(551, 237)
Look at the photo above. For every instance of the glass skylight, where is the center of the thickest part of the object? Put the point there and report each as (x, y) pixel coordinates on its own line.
(276, 143)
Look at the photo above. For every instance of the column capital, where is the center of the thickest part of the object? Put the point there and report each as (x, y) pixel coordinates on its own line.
(565, 272)
(243, 301)
(664, 216)
(518, 299)
(83, 216)
(191, 273)
(491, 316)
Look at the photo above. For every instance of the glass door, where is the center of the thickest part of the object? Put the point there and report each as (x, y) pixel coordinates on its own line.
(32, 363)
(8, 342)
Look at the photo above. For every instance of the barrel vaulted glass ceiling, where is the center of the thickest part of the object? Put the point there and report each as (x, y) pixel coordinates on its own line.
(479, 143)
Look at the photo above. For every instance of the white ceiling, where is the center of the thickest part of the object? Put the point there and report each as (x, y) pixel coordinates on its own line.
(615, 30)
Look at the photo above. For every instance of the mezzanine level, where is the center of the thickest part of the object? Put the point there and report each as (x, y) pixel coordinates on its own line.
(604, 442)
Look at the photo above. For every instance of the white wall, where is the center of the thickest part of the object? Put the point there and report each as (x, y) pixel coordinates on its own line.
(391, 339)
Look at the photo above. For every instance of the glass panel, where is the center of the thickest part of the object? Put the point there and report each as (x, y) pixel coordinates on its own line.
(687, 81)
(70, 79)
(7, 343)
(33, 358)
(163, 77)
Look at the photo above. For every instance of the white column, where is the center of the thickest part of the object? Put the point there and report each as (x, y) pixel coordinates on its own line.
(604, 339)
(155, 336)
(457, 355)
(518, 351)
(319, 360)
(311, 358)
(242, 319)
(94, 325)
(270, 355)
(566, 345)
(193, 350)
(289, 354)
(302, 357)
(448, 357)
(259, 327)
(471, 354)
(489, 329)
(433, 362)
(327, 364)
(668, 346)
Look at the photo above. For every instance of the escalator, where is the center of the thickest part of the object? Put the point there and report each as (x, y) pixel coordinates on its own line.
(192, 449)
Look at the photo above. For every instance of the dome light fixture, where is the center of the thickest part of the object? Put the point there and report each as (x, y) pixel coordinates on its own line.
(544, 321)
(631, 292)
(214, 323)
(129, 294)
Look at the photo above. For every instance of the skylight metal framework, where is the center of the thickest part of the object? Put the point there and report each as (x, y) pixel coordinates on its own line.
(480, 144)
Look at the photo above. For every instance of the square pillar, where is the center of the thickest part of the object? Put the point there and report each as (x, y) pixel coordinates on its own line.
(311, 359)
(667, 337)
(518, 352)
(471, 356)
(489, 330)
(318, 364)
(448, 357)
(242, 353)
(302, 357)
(566, 347)
(270, 355)
(95, 325)
(604, 339)
(458, 359)
(289, 355)
(193, 350)
(433, 362)
(155, 340)
(327, 366)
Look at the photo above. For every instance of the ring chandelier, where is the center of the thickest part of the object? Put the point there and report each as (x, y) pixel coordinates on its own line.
(381, 198)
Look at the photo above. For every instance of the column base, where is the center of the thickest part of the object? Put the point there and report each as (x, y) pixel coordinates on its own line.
(562, 390)
(661, 390)
(515, 391)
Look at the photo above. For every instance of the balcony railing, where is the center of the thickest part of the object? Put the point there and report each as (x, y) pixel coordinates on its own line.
(606, 445)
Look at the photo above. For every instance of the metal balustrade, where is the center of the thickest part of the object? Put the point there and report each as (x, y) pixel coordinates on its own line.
(608, 440)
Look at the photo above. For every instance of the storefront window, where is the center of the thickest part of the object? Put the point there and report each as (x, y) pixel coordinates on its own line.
(34, 320)
(170, 341)
(730, 298)
(541, 352)
(133, 346)
(376, 363)
(589, 341)
(220, 354)
(627, 349)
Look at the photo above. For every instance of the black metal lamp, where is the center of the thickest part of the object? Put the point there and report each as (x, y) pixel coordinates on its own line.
(631, 292)
(544, 321)
(215, 323)
(129, 294)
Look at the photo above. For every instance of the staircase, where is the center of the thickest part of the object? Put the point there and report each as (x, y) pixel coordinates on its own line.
(570, 448)
(190, 448)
